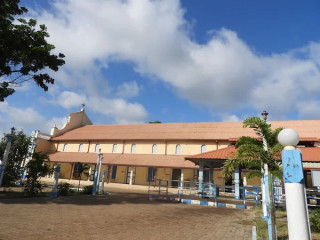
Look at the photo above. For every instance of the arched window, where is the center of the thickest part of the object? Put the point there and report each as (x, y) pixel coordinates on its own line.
(133, 148)
(203, 148)
(96, 148)
(178, 149)
(65, 147)
(114, 148)
(154, 148)
(80, 147)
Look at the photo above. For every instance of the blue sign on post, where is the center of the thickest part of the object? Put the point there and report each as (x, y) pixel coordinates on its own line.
(292, 166)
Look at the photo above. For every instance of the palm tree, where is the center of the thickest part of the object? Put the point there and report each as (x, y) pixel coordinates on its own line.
(255, 153)
(81, 169)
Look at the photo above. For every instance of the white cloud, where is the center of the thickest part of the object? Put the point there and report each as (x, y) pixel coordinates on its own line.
(119, 109)
(27, 119)
(231, 118)
(128, 90)
(69, 99)
(224, 73)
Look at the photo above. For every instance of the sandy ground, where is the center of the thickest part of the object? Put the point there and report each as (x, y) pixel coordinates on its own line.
(124, 214)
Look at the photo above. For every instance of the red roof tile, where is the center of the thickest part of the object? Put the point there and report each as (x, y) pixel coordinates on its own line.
(308, 129)
(309, 154)
(152, 160)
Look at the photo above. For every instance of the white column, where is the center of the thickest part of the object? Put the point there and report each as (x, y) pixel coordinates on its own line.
(131, 177)
(200, 178)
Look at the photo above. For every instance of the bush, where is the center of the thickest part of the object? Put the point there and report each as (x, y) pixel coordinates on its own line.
(315, 220)
(64, 189)
(87, 189)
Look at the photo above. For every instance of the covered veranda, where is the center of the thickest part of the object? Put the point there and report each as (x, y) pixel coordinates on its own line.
(211, 160)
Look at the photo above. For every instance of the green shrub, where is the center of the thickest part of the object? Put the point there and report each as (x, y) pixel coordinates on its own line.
(315, 220)
(87, 189)
(64, 189)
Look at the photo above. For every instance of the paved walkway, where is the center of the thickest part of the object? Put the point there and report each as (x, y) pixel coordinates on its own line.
(124, 214)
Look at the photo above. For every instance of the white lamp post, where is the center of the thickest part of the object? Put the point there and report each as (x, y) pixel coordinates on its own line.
(296, 203)
(264, 184)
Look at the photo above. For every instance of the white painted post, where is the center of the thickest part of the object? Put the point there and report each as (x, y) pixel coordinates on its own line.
(237, 184)
(296, 203)
(131, 177)
(181, 179)
(200, 178)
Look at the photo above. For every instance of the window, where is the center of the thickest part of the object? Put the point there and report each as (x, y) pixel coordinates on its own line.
(133, 148)
(203, 148)
(178, 149)
(80, 147)
(114, 172)
(96, 148)
(154, 148)
(65, 147)
(114, 148)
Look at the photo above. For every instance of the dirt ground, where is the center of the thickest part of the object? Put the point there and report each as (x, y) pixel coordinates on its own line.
(123, 214)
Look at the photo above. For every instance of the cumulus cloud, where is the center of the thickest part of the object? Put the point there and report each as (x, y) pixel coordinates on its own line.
(128, 90)
(224, 74)
(27, 119)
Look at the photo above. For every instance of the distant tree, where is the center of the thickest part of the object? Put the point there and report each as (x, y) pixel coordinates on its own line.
(36, 168)
(18, 153)
(24, 51)
(155, 122)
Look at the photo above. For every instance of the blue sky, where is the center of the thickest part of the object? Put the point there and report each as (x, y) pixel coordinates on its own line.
(174, 61)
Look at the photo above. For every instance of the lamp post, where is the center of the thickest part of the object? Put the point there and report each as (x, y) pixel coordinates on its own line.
(264, 169)
(265, 189)
(296, 203)
(96, 182)
(5, 155)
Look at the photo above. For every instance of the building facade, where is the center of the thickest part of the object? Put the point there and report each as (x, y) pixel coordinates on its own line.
(139, 153)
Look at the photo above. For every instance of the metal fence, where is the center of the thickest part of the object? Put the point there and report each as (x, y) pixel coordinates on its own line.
(176, 190)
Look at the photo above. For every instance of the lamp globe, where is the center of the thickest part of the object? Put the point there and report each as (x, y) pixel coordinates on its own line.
(288, 137)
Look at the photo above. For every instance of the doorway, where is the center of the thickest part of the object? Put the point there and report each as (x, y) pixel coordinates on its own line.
(176, 176)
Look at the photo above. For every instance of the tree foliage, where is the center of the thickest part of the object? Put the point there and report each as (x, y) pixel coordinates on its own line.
(24, 52)
(18, 153)
(250, 151)
(36, 168)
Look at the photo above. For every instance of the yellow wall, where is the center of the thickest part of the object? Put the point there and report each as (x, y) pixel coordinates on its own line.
(121, 174)
(188, 174)
(42, 145)
(218, 177)
(187, 147)
(141, 176)
(65, 170)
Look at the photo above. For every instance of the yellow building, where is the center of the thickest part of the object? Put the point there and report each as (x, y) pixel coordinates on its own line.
(139, 153)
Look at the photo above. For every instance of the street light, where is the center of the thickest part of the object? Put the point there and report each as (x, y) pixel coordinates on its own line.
(264, 169)
(296, 203)
(264, 115)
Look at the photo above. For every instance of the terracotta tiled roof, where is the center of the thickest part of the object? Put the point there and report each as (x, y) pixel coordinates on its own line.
(152, 160)
(216, 154)
(183, 131)
(309, 154)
